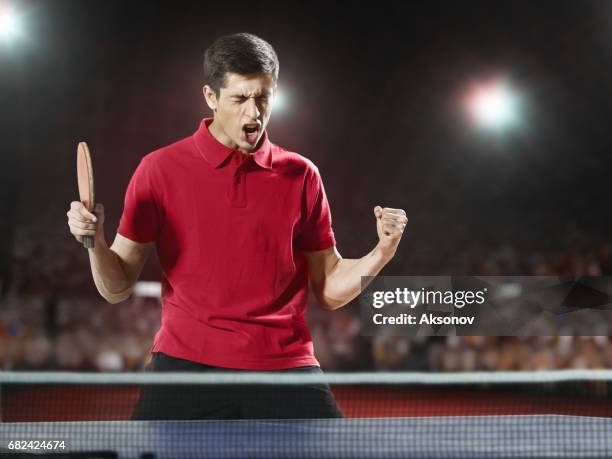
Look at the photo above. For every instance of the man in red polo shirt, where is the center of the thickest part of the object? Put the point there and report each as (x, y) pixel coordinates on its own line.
(241, 226)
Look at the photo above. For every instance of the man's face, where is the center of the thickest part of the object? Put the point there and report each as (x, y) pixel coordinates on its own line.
(243, 109)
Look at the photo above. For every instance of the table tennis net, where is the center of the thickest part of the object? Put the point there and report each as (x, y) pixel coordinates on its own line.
(514, 415)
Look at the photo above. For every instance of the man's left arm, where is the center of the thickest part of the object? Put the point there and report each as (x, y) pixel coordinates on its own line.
(335, 280)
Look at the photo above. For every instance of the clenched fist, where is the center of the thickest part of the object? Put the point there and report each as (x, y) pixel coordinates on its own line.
(85, 223)
(390, 224)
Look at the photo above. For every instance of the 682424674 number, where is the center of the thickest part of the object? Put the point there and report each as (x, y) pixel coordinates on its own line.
(36, 445)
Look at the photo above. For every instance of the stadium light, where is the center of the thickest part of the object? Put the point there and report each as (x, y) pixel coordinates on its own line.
(493, 105)
(280, 100)
(9, 24)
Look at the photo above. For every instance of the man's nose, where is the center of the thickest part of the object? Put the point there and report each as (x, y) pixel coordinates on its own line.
(252, 109)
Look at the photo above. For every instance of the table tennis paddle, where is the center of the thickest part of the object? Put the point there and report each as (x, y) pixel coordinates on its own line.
(86, 185)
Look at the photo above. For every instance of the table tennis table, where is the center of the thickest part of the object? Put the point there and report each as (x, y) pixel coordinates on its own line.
(519, 436)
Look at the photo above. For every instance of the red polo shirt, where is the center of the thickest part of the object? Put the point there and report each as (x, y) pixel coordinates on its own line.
(230, 230)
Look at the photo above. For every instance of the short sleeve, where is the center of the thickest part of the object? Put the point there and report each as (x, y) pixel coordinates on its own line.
(140, 221)
(316, 231)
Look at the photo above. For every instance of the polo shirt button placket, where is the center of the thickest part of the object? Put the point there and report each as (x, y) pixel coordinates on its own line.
(239, 188)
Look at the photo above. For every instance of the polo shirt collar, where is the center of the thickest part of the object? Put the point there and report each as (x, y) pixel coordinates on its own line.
(215, 153)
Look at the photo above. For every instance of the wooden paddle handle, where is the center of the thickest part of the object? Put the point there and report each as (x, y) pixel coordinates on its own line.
(86, 185)
(89, 241)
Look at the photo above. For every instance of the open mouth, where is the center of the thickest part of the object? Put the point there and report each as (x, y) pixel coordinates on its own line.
(251, 132)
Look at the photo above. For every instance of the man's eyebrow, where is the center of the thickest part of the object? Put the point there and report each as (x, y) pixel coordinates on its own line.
(263, 93)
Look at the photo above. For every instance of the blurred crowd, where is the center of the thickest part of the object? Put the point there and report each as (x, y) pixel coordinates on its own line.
(339, 344)
(51, 319)
(76, 334)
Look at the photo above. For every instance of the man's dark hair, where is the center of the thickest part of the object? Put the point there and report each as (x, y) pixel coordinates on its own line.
(241, 53)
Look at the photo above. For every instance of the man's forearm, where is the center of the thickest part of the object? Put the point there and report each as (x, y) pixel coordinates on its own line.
(110, 277)
(343, 283)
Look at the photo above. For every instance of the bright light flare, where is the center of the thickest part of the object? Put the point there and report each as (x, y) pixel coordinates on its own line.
(493, 105)
(9, 24)
(280, 100)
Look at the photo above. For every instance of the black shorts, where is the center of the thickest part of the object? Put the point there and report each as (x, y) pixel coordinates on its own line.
(231, 401)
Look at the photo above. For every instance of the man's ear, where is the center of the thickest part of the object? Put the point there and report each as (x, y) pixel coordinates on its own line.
(210, 96)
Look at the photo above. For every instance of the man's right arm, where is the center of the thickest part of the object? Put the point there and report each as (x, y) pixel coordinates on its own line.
(115, 269)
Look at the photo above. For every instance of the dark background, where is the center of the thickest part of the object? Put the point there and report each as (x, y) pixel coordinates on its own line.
(374, 99)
